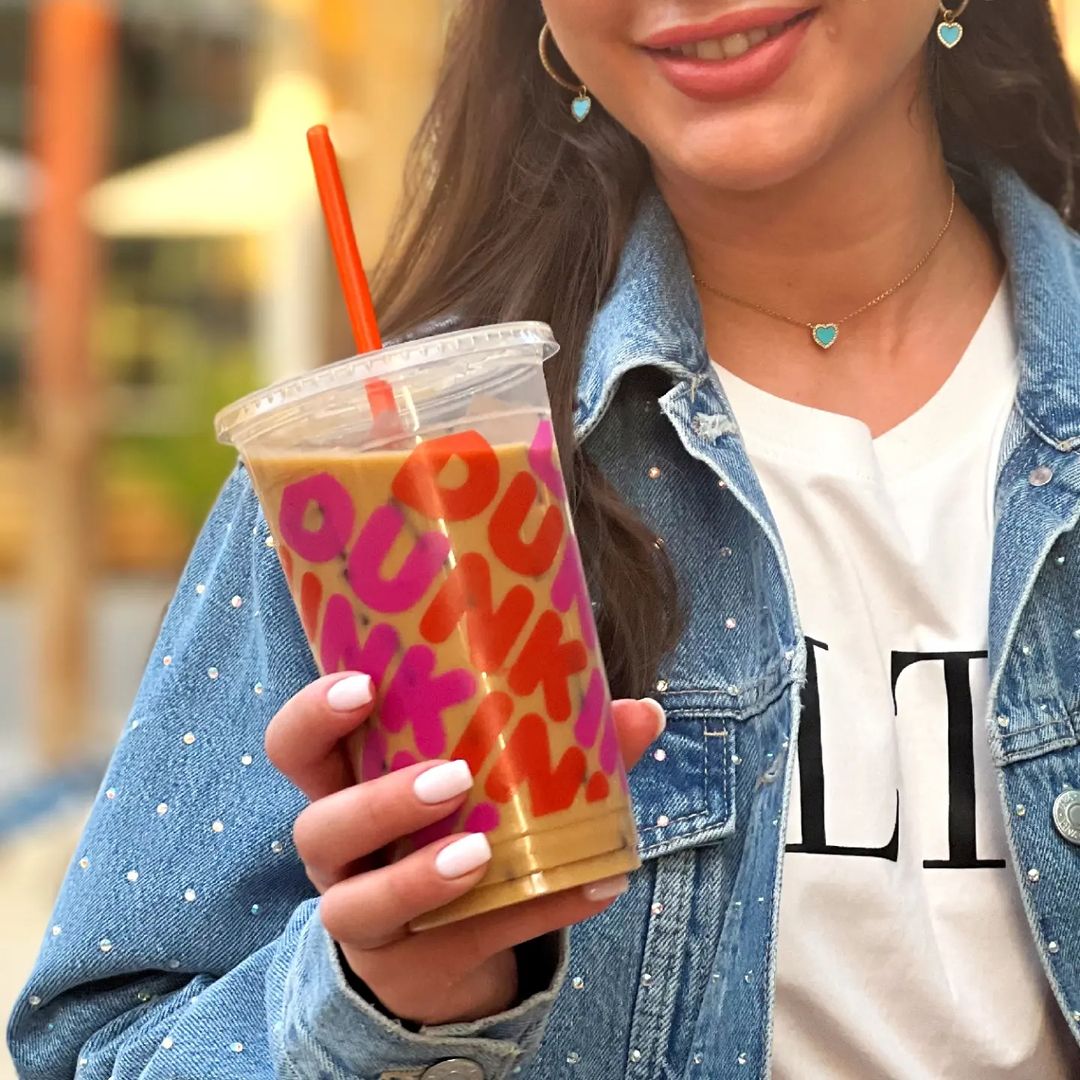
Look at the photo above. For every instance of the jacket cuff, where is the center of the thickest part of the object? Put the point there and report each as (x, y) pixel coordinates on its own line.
(325, 1023)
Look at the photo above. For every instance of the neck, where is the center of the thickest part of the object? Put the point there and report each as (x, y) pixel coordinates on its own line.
(819, 245)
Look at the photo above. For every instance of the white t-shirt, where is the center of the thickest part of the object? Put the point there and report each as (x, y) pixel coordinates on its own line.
(904, 952)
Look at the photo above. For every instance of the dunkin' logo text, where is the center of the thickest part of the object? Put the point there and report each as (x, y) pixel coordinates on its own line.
(518, 637)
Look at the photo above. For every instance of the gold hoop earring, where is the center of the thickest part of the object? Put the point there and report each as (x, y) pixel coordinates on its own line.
(581, 106)
(949, 31)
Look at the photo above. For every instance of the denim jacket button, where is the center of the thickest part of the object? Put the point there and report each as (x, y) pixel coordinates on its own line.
(1067, 816)
(454, 1069)
(1041, 476)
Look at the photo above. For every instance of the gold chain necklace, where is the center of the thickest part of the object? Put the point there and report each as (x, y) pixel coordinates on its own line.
(825, 335)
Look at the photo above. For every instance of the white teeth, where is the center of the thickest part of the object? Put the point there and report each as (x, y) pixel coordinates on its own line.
(711, 50)
(730, 47)
(735, 45)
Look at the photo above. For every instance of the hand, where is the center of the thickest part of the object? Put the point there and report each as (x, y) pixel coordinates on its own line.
(460, 972)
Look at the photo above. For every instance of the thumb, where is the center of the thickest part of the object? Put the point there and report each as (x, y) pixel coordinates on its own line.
(638, 724)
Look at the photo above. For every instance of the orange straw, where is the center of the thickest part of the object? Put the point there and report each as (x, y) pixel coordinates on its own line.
(343, 239)
(350, 267)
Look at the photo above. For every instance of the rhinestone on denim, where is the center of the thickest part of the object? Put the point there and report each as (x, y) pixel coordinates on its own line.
(105, 945)
(237, 601)
(200, 589)
(246, 759)
(741, 1059)
(190, 895)
(277, 847)
(573, 1057)
(577, 982)
(35, 1001)
(217, 826)
(189, 738)
(162, 809)
(167, 661)
(84, 863)
(255, 909)
(663, 821)
(654, 473)
(660, 754)
(1040, 476)
(167, 1043)
(1053, 948)
(661, 686)
(730, 624)
(132, 876)
(57, 930)
(635, 1055)
(657, 908)
(212, 673)
(1021, 809)
(698, 1059)
(1033, 874)
(110, 794)
(237, 1047)
(1003, 721)
(646, 979)
(725, 553)
(258, 688)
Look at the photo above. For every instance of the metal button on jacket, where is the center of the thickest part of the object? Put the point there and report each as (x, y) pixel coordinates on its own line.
(1067, 815)
(454, 1069)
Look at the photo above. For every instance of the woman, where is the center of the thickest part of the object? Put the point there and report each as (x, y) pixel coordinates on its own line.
(819, 409)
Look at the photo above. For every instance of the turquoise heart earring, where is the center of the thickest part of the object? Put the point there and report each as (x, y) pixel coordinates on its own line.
(581, 106)
(949, 31)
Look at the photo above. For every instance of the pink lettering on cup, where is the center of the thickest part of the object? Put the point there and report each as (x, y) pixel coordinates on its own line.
(609, 742)
(592, 710)
(542, 460)
(569, 586)
(336, 512)
(416, 696)
(373, 755)
(340, 648)
(407, 587)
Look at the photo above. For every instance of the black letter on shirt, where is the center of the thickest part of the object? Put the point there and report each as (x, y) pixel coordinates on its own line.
(961, 757)
(812, 777)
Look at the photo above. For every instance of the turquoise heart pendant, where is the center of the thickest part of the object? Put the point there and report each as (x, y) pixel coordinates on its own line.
(949, 34)
(825, 335)
(581, 106)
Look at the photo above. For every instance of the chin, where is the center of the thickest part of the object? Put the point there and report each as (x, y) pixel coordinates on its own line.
(717, 157)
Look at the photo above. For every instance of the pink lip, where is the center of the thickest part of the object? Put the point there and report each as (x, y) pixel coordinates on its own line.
(736, 22)
(727, 80)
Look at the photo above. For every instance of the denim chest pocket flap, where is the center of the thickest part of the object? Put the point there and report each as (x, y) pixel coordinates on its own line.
(682, 787)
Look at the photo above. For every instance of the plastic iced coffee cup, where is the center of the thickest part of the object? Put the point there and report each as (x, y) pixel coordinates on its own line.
(426, 539)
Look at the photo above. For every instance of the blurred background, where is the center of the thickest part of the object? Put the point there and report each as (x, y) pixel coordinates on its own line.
(161, 253)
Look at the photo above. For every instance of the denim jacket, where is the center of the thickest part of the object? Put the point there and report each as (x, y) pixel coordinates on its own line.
(186, 942)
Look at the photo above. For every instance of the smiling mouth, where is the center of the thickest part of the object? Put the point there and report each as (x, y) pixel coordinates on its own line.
(733, 46)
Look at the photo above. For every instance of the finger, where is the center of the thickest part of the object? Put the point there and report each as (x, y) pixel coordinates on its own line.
(304, 739)
(469, 943)
(370, 910)
(334, 832)
(638, 724)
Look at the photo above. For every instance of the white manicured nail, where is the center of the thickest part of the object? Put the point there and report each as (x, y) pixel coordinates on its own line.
(462, 856)
(658, 711)
(443, 782)
(606, 889)
(351, 693)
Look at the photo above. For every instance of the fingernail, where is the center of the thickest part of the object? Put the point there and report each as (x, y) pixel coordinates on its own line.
(658, 712)
(462, 856)
(443, 782)
(350, 693)
(606, 889)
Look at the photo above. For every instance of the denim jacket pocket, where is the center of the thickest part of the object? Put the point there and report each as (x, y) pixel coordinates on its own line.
(682, 787)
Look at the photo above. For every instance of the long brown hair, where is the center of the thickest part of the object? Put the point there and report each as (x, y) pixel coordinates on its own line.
(511, 211)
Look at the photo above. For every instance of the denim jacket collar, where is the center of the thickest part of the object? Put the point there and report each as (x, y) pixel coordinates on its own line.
(651, 316)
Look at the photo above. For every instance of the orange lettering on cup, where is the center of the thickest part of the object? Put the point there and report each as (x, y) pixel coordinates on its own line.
(417, 482)
(484, 729)
(530, 559)
(546, 659)
(466, 594)
(527, 761)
